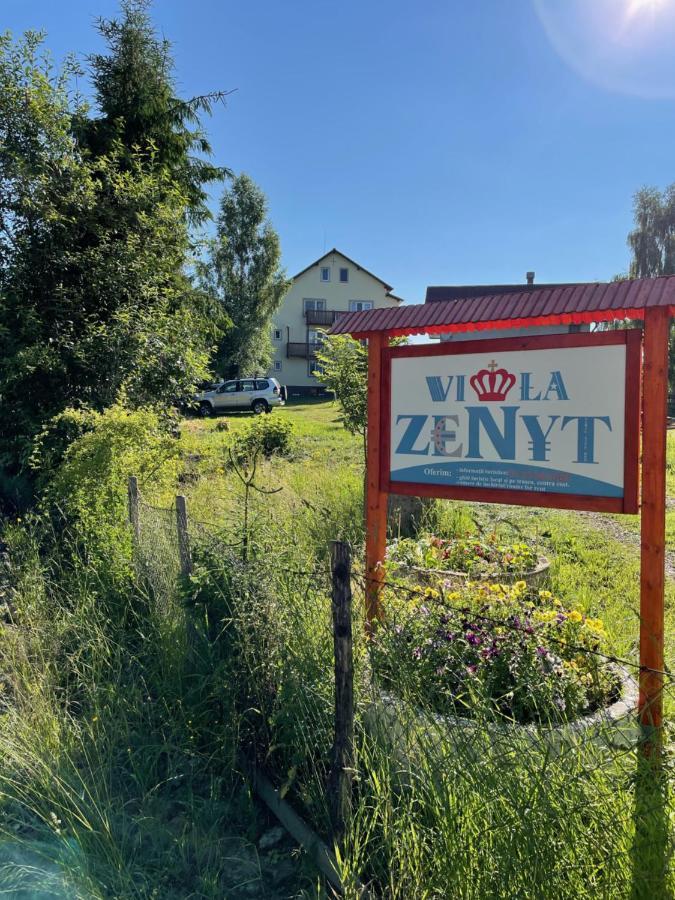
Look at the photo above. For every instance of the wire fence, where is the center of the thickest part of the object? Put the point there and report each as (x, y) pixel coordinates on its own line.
(471, 740)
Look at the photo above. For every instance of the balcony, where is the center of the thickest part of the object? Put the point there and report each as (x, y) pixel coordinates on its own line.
(302, 349)
(324, 317)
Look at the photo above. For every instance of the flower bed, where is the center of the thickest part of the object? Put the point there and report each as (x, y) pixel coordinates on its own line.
(428, 557)
(498, 649)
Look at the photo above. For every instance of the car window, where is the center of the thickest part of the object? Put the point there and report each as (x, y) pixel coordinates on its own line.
(247, 385)
(262, 385)
(228, 388)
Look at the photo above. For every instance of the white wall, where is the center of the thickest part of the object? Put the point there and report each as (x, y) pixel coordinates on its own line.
(290, 318)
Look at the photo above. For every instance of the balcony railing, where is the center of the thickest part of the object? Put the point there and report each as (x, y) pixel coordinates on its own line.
(324, 317)
(302, 349)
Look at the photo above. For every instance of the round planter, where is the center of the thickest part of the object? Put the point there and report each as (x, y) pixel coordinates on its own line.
(532, 578)
(407, 730)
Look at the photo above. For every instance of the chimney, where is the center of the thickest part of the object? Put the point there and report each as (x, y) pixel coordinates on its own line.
(530, 277)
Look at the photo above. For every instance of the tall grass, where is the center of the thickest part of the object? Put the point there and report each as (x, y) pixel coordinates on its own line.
(125, 731)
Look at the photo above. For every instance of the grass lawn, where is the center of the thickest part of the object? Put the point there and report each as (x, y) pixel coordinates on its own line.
(592, 567)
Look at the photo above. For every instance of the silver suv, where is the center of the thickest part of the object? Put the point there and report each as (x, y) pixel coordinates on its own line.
(256, 394)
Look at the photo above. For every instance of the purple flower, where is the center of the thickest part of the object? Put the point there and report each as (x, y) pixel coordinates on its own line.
(472, 638)
(472, 669)
(542, 651)
(417, 653)
(424, 610)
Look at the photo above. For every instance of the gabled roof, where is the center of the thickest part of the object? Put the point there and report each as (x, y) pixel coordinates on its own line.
(388, 288)
(530, 306)
(438, 293)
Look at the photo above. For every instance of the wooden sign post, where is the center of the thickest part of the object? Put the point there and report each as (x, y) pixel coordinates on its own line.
(653, 519)
(507, 439)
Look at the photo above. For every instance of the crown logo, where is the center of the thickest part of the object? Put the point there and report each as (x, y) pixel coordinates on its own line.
(492, 383)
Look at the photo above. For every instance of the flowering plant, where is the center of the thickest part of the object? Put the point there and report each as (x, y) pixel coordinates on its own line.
(494, 647)
(476, 556)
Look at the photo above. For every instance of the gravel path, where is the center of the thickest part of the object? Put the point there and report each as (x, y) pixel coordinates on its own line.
(614, 529)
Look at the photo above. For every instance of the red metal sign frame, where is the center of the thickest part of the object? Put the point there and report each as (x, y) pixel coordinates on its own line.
(628, 503)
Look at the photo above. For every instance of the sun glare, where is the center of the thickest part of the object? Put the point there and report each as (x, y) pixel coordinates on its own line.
(643, 7)
(619, 45)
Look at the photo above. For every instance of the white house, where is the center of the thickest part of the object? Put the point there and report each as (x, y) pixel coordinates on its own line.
(331, 285)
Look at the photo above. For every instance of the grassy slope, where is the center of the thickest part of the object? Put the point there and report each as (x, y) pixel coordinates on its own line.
(591, 567)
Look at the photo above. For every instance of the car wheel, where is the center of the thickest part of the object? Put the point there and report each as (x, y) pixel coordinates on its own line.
(205, 409)
(259, 407)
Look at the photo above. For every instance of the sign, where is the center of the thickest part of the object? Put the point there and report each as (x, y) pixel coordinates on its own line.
(538, 421)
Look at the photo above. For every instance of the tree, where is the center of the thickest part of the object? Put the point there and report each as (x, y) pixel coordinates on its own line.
(95, 305)
(140, 117)
(242, 271)
(652, 243)
(343, 369)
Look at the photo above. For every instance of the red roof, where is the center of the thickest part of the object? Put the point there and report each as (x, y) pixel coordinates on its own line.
(565, 304)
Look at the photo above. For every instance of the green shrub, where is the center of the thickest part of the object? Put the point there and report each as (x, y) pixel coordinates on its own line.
(264, 435)
(88, 490)
(50, 446)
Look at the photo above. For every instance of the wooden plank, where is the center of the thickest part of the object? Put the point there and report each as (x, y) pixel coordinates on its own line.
(342, 763)
(376, 499)
(322, 857)
(653, 522)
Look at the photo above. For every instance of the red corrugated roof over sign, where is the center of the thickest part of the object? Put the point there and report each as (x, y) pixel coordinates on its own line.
(567, 304)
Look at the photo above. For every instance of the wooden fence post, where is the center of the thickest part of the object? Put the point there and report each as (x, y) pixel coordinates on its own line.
(342, 763)
(183, 536)
(134, 518)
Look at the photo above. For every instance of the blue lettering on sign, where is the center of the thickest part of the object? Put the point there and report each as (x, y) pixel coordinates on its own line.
(439, 393)
(496, 431)
(503, 442)
(558, 385)
(411, 434)
(526, 387)
(539, 446)
(586, 435)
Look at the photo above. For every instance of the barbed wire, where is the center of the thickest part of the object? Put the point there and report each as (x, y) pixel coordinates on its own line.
(504, 623)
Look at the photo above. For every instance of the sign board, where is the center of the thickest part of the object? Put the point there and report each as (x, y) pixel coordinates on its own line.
(537, 421)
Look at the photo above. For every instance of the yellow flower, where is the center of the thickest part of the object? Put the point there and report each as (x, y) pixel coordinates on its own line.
(575, 616)
(519, 586)
(545, 595)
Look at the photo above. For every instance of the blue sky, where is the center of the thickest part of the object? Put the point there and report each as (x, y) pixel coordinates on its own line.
(436, 143)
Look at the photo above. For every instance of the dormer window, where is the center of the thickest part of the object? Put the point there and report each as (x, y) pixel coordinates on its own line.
(344, 276)
(325, 273)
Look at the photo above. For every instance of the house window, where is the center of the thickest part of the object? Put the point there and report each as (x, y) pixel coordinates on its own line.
(277, 365)
(360, 305)
(325, 273)
(311, 303)
(344, 275)
(314, 368)
(276, 334)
